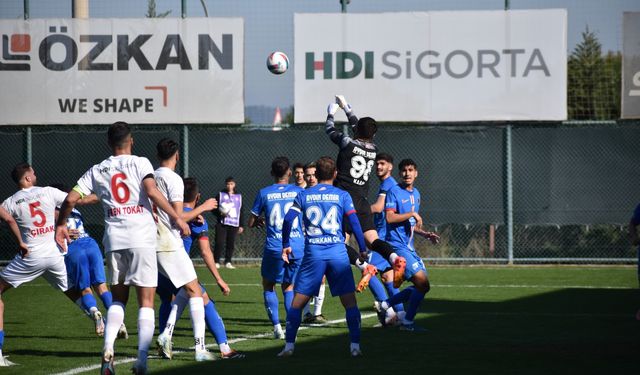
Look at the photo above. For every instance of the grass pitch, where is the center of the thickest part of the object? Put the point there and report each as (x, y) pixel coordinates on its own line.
(480, 320)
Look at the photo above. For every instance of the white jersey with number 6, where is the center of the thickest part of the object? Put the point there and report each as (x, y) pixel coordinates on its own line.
(117, 182)
(172, 187)
(34, 211)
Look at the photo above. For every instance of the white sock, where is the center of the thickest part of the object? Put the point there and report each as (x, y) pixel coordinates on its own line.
(224, 348)
(392, 258)
(196, 307)
(384, 305)
(319, 300)
(171, 321)
(355, 346)
(93, 310)
(181, 300)
(115, 317)
(361, 264)
(146, 326)
(289, 346)
(277, 327)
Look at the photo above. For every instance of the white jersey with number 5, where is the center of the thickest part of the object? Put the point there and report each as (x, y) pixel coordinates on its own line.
(117, 182)
(172, 187)
(34, 211)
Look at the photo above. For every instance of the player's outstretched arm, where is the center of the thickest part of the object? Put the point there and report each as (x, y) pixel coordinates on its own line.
(162, 203)
(62, 235)
(431, 236)
(15, 230)
(207, 257)
(393, 217)
(208, 205)
(256, 221)
(287, 224)
(342, 102)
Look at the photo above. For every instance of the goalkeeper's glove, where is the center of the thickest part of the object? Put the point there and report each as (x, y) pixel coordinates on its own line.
(332, 109)
(342, 102)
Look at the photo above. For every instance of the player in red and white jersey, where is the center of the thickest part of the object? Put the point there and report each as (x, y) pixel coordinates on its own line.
(124, 183)
(173, 261)
(30, 213)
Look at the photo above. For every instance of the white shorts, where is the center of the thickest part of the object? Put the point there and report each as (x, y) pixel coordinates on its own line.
(20, 271)
(177, 267)
(136, 267)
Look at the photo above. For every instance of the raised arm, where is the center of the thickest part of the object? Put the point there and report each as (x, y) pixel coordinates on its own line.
(207, 257)
(208, 205)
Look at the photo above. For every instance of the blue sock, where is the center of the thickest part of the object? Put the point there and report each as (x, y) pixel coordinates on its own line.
(377, 289)
(214, 322)
(353, 322)
(89, 301)
(163, 314)
(288, 298)
(1, 339)
(392, 291)
(107, 299)
(400, 297)
(414, 303)
(271, 304)
(294, 317)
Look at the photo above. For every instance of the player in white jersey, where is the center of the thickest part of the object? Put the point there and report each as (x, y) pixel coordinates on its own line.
(124, 183)
(30, 213)
(173, 261)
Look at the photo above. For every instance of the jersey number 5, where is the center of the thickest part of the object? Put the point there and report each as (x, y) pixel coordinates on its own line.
(119, 189)
(36, 212)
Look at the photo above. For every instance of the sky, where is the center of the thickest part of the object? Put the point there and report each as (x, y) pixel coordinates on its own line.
(269, 25)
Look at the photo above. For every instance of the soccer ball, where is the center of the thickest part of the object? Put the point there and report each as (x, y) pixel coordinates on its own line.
(277, 62)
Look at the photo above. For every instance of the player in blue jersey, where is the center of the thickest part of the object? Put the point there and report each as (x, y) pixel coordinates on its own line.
(635, 240)
(85, 268)
(200, 233)
(402, 205)
(381, 290)
(273, 202)
(323, 208)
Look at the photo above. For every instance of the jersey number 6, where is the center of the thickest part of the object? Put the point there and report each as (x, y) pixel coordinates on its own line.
(119, 189)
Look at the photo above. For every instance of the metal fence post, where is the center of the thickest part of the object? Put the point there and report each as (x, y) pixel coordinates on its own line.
(184, 8)
(508, 181)
(184, 155)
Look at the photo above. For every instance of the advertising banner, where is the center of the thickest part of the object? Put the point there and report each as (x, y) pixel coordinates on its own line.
(98, 71)
(434, 66)
(631, 65)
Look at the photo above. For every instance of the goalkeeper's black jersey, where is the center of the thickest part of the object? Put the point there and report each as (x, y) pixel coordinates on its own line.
(356, 159)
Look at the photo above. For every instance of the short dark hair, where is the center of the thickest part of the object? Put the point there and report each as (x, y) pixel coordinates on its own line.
(366, 128)
(166, 148)
(298, 166)
(310, 165)
(191, 189)
(325, 168)
(279, 166)
(118, 133)
(384, 156)
(406, 162)
(19, 171)
(229, 179)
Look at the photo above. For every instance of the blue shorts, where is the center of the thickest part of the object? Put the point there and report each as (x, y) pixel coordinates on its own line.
(414, 263)
(84, 263)
(378, 260)
(338, 272)
(274, 269)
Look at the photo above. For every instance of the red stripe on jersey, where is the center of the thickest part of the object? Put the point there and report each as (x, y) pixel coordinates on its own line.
(390, 209)
(350, 212)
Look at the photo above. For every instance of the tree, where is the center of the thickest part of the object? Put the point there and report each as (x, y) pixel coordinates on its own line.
(593, 81)
(288, 118)
(151, 10)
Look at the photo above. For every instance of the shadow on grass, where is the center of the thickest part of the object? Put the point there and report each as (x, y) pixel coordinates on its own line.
(582, 331)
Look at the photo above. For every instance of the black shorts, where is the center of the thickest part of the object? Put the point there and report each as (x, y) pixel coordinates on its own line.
(363, 210)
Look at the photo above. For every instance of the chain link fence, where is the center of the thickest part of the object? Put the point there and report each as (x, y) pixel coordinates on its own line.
(574, 187)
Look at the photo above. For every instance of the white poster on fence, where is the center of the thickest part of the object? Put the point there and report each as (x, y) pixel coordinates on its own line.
(97, 71)
(434, 66)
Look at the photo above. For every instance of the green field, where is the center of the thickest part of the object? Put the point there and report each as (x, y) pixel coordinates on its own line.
(480, 320)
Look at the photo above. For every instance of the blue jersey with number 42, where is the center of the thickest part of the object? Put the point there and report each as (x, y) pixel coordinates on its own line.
(323, 208)
(274, 201)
